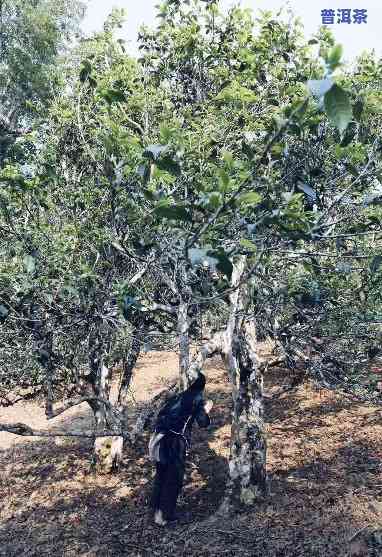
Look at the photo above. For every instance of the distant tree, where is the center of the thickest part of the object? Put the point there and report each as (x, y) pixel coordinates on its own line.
(33, 34)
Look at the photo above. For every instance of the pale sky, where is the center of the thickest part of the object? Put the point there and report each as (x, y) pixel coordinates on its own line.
(354, 37)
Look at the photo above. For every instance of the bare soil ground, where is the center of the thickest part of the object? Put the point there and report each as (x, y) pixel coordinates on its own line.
(325, 467)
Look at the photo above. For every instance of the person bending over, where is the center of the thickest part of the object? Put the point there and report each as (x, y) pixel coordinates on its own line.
(169, 443)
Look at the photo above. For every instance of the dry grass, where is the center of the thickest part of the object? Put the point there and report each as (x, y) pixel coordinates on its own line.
(325, 456)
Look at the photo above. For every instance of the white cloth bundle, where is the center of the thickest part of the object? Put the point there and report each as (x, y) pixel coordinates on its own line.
(154, 446)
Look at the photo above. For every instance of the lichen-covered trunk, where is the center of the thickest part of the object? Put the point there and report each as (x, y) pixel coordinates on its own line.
(184, 344)
(107, 451)
(247, 464)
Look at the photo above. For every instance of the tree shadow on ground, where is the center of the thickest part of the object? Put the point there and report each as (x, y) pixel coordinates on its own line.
(54, 504)
(324, 486)
(108, 516)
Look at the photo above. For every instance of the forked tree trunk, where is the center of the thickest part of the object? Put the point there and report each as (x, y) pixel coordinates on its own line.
(247, 472)
(207, 350)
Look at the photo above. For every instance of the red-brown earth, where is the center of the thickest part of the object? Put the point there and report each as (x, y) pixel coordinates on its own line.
(324, 464)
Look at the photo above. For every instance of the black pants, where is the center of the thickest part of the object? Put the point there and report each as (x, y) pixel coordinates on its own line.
(169, 477)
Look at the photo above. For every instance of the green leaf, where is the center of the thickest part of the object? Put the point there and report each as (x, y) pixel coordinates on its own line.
(113, 96)
(334, 57)
(236, 93)
(223, 179)
(30, 264)
(373, 101)
(3, 311)
(85, 70)
(149, 194)
(224, 264)
(358, 109)
(92, 81)
(166, 133)
(212, 200)
(288, 196)
(228, 158)
(338, 108)
(376, 263)
(250, 198)
(169, 165)
(173, 212)
(144, 170)
(277, 150)
(247, 244)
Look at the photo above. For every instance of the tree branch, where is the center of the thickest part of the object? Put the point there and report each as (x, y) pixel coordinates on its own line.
(153, 306)
(26, 431)
(75, 402)
(248, 181)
